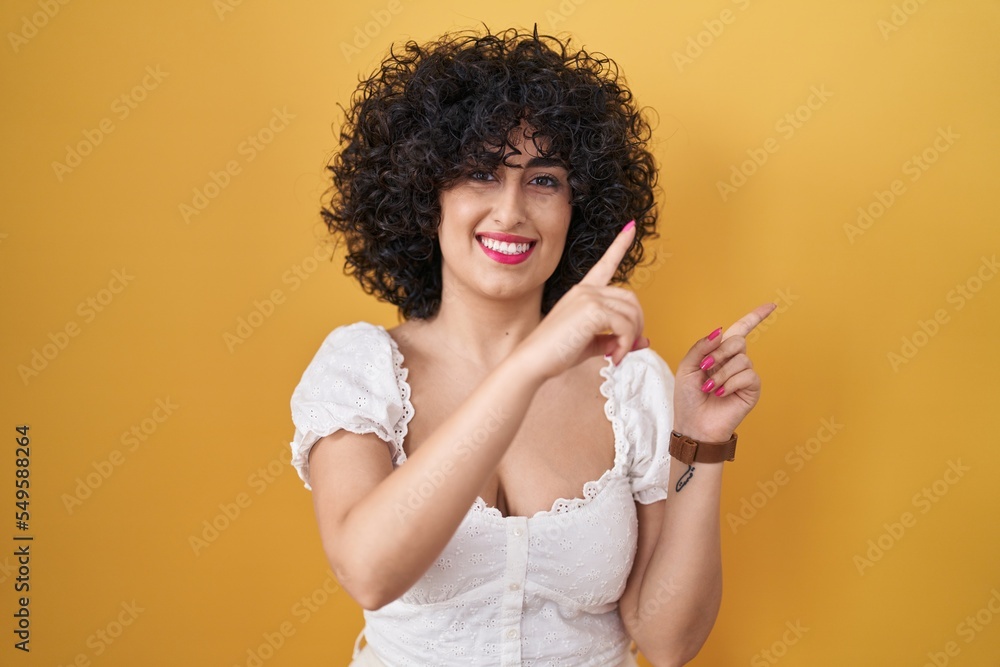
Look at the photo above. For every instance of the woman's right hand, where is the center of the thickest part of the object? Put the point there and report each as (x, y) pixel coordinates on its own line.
(592, 318)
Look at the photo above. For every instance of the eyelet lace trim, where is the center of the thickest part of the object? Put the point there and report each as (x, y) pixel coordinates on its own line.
(591, 489)
(403, 426)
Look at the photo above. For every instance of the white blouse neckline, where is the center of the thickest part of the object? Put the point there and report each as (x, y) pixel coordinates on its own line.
(560, 506)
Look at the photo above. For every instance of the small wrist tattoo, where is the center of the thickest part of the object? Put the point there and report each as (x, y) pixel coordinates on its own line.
(685, 478)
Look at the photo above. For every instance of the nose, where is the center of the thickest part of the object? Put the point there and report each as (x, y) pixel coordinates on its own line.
(509, 207)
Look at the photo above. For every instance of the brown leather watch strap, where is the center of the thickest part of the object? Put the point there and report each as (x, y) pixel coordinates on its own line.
(688, 450)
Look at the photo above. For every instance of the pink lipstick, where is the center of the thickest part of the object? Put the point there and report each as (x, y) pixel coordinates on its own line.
(506, 248)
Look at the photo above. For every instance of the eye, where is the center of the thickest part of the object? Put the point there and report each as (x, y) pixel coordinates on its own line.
(547, 181)
(480, 175)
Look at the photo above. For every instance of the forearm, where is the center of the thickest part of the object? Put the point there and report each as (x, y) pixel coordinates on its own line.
(408, 519)
(680, 585)
(681, 588)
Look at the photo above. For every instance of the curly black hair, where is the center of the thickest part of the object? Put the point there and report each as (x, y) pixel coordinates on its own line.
(427, 116)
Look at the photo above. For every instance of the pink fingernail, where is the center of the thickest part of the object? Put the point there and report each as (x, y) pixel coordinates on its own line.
(707, 387)
(715, 333)
(707, 363)
(627, 227)
(718, 392)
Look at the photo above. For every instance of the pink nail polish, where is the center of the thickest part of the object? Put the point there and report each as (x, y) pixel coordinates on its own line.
(627, 227)
(707, 363)
(715, 333)
(718, 392)
(707, 387)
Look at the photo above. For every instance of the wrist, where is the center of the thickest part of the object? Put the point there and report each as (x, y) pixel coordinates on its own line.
(521, 371)
(702, 434)
(687, 449)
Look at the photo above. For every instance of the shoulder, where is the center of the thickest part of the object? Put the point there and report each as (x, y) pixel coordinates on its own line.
(358, 340)
(360, 354)
(361, 333)
(354, 383)
(643, 387)
(641, 374)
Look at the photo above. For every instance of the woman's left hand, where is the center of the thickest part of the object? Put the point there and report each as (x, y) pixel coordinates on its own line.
(710, 365)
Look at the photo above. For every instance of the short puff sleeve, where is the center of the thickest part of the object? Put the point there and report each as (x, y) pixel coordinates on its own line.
(354, 382)
(646, 407)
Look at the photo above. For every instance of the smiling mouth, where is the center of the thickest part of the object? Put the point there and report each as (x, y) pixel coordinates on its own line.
(504, 248)
(505, 252)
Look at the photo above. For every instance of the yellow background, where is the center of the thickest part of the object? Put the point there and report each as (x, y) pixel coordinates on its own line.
(846, 302)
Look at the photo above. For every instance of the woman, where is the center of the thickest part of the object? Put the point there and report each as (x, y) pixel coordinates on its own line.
(483, 186)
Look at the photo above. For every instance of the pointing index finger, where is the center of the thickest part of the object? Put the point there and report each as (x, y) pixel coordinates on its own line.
(746, 324)
(603, 271)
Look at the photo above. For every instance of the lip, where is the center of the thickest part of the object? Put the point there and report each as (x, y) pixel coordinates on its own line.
(509, 238)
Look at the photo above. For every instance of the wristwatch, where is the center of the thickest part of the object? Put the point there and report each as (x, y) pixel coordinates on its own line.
(688, 450)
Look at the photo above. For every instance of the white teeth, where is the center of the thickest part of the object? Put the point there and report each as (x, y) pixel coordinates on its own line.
(504, 247)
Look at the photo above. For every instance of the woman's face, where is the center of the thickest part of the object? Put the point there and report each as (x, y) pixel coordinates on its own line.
(502, 233)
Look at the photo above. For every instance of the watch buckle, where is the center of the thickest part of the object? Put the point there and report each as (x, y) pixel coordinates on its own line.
(689, 448)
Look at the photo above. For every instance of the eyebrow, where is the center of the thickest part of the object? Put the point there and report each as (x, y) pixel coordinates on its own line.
(543, 162)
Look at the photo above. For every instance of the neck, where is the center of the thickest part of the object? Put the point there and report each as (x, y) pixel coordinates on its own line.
(483, 331)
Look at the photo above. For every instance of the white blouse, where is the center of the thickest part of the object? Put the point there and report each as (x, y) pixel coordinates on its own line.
(508, 591)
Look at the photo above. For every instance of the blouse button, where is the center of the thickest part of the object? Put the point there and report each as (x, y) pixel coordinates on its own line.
(514, 586)
(517, 531)
(511, 633)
